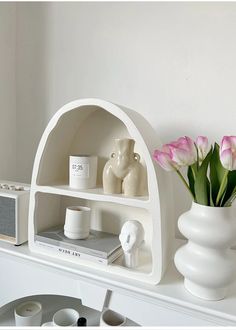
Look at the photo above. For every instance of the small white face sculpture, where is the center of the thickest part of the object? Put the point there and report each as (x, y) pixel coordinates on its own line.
(131, 236)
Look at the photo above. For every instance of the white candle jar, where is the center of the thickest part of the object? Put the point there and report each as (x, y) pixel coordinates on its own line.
(83, 171)
(28, 313)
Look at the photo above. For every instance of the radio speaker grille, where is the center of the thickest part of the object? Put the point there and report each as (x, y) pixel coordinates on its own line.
(7, 216)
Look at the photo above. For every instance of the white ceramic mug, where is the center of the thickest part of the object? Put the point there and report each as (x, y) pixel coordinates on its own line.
(77, 222)
(28, 313)
(110, 318)
(66, 317)
(83, 171)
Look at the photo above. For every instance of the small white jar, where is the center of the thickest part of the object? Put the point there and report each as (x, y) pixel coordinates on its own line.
(66, 317)
(77, 222)
(28, 313)
(110, 318)
(83, 171)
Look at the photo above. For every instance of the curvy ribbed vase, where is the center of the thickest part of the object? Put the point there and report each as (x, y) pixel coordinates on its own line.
(206, 261)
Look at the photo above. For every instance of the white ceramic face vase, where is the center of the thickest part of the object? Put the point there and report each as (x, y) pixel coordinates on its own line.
(131, 237)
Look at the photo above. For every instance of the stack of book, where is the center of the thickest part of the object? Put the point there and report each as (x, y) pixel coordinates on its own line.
(100, 247)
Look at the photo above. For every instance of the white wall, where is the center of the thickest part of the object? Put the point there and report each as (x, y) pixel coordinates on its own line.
(175, 63)
(7, 91)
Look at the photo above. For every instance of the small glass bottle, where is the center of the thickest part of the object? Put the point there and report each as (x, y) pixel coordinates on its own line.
(82, 322)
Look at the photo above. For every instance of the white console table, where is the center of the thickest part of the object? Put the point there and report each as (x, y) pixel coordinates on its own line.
(167, 304)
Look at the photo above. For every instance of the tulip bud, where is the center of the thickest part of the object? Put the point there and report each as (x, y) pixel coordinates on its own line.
(202, 147)
(228, 152)
(164, 160)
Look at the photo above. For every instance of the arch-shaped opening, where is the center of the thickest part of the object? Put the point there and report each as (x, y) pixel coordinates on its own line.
(83, 130)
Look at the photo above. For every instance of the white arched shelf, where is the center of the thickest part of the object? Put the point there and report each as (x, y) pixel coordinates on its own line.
(90, 126)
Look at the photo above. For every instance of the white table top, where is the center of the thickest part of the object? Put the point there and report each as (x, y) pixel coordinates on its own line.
(170, 292)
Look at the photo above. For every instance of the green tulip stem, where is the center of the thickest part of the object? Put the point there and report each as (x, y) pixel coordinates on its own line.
(222, 187)
(185, 183)
(198, 161)
(193, 171)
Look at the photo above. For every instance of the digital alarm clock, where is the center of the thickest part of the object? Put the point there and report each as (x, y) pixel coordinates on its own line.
(14, 207)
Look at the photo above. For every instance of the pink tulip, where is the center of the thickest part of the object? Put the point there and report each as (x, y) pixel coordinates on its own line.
(202, 147)
(176, 154)
(164, 160)
(228, 152)
(183, 151)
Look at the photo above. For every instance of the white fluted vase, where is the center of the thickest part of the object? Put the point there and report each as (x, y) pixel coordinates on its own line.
(206, 261)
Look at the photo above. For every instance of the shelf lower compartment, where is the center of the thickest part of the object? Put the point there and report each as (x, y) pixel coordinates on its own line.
(105, 217)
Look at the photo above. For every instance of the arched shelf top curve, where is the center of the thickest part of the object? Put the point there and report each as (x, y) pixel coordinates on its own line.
(90, 126)
(133, 122)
